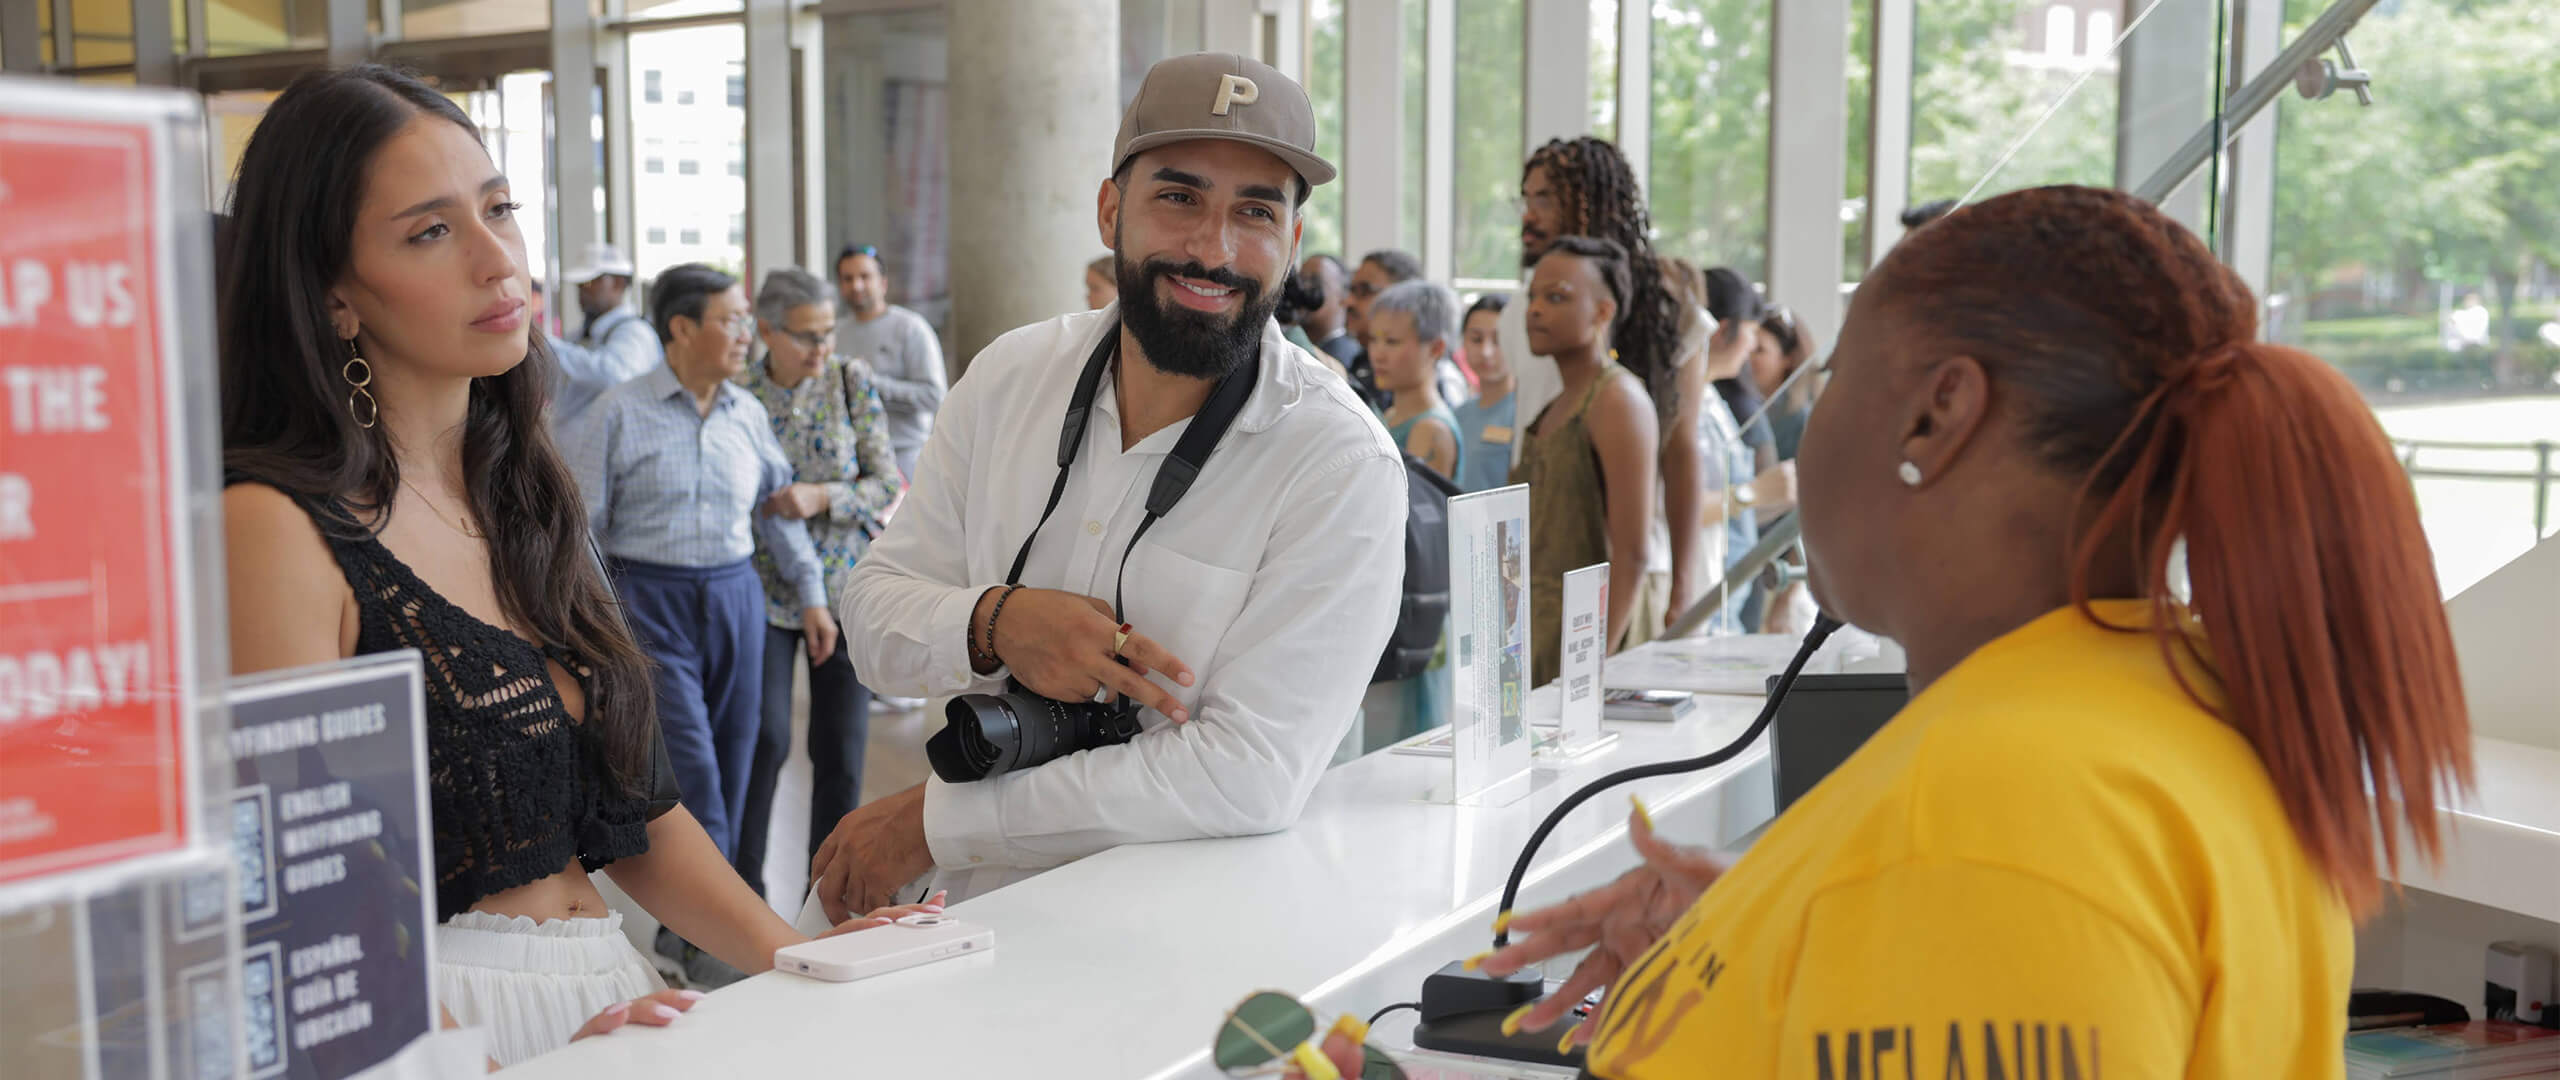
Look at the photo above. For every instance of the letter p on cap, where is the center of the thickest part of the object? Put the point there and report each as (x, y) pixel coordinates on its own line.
(1234, 90)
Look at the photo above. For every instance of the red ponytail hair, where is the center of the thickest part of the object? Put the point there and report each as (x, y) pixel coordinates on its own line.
(2131, 350)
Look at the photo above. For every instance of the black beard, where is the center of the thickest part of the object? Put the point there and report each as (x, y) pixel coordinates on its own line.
(1179, 341)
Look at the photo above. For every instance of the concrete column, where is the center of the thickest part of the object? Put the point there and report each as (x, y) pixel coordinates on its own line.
(21, 39)
(350, 40)
(573, 169)
(772, 240)
(1555, 98)
(1231, 26)
(1033, 113)
(1808, 159)
(155, 45)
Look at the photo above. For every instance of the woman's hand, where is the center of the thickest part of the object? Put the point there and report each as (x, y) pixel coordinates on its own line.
(798, 501)
(884, 916)
(1617, 922)
(656, 1010)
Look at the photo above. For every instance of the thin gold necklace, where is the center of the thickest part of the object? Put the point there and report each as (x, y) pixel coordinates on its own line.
(463, 527)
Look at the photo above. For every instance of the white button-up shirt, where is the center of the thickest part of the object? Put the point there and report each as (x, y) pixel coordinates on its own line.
(1277, 579)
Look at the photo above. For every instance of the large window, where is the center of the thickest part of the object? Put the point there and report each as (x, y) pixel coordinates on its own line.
(2415, 243)
(1323, 233)
(1709, 192)
(1488, 140)
(1983, 71)
(696, 206)
(1417, 173)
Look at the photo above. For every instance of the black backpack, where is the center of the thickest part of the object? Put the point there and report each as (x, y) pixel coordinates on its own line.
(1425, 609)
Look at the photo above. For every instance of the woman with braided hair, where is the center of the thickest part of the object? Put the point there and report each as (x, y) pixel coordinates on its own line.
(1584, 187)
(2128, 819)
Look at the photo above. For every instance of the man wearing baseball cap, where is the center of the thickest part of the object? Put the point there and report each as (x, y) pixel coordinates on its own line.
(616, 345)
(1244, 622)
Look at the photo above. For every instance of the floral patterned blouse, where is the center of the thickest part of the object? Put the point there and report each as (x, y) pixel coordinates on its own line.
(835, 433)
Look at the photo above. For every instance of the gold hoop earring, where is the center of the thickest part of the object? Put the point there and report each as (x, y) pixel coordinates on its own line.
(360, 403)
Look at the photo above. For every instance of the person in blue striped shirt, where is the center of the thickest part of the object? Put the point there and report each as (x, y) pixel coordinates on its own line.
(675, 467)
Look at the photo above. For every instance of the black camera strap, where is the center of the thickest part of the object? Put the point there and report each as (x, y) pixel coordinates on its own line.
(1173, 478)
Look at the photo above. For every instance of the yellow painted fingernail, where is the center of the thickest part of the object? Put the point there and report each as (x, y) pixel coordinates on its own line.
(1502, 922)
(1642, 814)
(1473, 962)
(1312, 1063)
(1511, 1023)
(1352, 1028)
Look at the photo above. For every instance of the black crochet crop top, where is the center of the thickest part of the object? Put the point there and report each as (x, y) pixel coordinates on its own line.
(514, 788)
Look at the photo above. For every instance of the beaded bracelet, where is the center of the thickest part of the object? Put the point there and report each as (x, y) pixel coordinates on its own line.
(990, 653)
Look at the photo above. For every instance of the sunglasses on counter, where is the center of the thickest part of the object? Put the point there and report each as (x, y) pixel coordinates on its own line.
(1268, 1033)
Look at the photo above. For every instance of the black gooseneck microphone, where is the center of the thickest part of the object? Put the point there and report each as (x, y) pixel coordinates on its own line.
(1823, 625)
(1462, 1010)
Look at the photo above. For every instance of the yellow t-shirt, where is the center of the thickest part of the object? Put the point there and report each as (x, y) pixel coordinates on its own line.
(2051, 866)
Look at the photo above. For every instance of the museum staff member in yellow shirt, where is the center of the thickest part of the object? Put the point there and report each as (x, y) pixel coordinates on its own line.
(2111, 835)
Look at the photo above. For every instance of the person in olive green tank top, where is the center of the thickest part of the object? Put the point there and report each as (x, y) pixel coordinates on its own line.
(1598, 436)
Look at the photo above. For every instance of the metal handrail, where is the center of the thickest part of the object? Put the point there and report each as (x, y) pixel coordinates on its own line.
(2541, 476)
(1777, 537)
(2252, 98)
(1780, 535)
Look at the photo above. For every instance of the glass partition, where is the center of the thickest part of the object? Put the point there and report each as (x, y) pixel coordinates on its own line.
(1986, 72)
(1489, 137)
(2414, 247)
(1709, 185)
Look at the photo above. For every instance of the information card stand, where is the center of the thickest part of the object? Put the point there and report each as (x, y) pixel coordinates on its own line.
(1489, 646)
(1583, 650)
(331, 869)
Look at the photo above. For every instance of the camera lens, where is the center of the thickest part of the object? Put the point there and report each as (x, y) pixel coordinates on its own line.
(987, 735)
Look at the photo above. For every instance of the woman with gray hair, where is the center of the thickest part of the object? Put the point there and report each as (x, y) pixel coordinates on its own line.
(832, 427)
(1411, 326)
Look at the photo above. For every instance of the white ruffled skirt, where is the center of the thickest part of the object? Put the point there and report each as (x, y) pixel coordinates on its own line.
(531, 985)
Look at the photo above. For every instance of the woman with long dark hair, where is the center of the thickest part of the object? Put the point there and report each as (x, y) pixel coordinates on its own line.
(393, 486)
(2127, 819)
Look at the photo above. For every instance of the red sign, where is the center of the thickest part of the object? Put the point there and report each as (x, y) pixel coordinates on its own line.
(95, 755)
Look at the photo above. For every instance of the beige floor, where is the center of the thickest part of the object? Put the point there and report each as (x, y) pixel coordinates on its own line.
(892, 763)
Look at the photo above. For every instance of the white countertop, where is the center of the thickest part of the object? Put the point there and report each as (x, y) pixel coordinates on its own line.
(1122, 965)
(2502, 846)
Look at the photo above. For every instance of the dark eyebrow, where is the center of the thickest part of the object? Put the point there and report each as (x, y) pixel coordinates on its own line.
(442, 202)
(1264, 192)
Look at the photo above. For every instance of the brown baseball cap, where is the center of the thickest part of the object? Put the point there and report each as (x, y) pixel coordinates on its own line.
(1223, 96)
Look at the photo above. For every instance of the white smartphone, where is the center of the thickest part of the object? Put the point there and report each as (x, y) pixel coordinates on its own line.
(908, 942)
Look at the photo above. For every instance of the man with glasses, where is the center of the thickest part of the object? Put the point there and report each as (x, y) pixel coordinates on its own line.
(676, 468)
(898, 345)
(831, 425)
